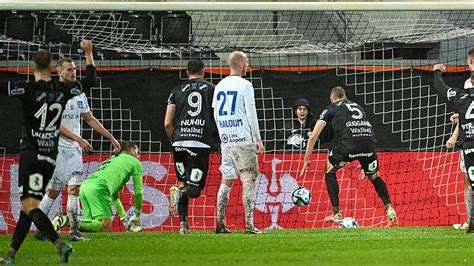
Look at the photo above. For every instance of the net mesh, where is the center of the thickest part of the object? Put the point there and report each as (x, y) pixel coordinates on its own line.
(355, 43)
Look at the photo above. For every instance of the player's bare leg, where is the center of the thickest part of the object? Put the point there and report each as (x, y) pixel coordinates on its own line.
(333, 191)
(222, 201)
(381, 189)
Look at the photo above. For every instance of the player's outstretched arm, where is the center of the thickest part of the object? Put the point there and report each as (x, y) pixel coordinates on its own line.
(318, 128)
(97, 126)
(86, 46)
(85, 145)
(439, 84)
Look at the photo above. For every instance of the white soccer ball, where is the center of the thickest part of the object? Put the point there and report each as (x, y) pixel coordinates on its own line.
(349, 222)
(301, 196)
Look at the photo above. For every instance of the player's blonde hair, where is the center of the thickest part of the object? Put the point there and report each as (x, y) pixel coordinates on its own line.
(235, 58)
(338, 93)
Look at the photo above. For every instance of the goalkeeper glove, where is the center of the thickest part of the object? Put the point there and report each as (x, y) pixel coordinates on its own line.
(136, 222)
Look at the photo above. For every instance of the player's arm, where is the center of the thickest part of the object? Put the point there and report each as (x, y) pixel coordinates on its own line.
(454, 137)
(13, 89)
(91, 72)
(119, 207)
(86, 46)
(85, 145)
(251, 112)
(135, 223)
(169, 117)
(92, 121)
(439, 84)
(318, 128)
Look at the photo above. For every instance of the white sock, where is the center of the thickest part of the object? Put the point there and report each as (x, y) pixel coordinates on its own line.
(46, 204)
(468, 201)
(248, 199)
(72, 209)
(222, 200)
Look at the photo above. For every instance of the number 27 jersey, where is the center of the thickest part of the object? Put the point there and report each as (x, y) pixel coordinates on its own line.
(234, 108)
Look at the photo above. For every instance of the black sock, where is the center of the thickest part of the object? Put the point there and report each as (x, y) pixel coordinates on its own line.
(43, 223)
(333, 190)
(183, 207)
(21, 230)
(381, 189)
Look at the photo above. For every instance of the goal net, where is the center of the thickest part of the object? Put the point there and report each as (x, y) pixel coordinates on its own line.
(382, 58)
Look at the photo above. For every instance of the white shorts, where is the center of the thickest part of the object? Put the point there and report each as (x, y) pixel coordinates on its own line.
(68, 169)
(462, 166)
(241, 160)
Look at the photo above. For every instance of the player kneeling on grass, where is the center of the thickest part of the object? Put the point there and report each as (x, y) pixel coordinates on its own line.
(103, 186)
(356, 142)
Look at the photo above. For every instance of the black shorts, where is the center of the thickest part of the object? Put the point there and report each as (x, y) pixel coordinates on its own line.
(468, 153)
(347, 151)
(35, 171)
(191, 165)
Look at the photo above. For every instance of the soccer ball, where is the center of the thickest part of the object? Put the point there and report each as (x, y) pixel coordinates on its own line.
(349, 222)
(301, 196)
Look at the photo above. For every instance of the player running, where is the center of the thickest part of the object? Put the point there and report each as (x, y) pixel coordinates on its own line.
(236, 119)
(188, 124)
(356, 142)
(103, 187)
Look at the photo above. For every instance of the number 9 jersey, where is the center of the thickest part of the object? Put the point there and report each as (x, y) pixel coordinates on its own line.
(193, 121)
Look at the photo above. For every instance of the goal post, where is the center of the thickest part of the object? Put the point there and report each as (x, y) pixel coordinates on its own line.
(381, 53)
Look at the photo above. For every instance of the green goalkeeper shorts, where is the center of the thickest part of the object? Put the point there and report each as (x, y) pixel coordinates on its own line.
(95, 200)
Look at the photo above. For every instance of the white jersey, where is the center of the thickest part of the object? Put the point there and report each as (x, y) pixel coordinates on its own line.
(234, 112)
(468, 83)
(71, 118)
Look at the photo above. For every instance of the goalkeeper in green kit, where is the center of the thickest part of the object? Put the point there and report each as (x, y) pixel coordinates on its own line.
(103, 186)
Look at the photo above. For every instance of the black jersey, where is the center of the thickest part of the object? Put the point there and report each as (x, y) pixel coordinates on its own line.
(348, 121)
(193, 119)
(43, 105)
(463, 101)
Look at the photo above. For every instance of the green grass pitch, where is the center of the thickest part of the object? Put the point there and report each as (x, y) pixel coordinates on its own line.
(362, 246)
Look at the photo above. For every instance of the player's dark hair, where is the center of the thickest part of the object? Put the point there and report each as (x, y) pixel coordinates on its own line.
(64, 60)
(42, 59)
(195, 66)
(470, 53)
(127, 146)
(338, 93)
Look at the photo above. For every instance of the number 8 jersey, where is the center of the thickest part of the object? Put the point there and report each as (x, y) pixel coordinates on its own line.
(234, 112)
(193, 120)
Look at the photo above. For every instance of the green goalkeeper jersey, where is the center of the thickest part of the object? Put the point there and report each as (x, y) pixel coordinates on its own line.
(116, 171)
